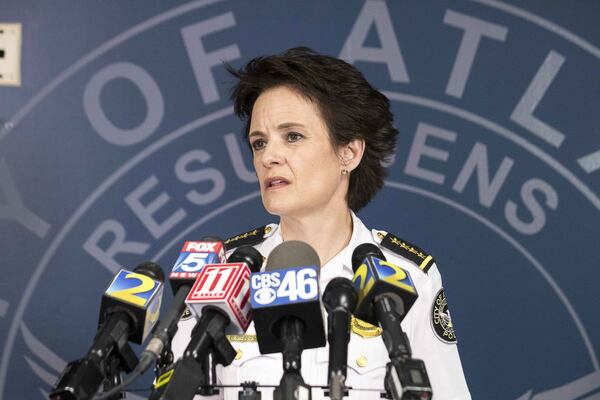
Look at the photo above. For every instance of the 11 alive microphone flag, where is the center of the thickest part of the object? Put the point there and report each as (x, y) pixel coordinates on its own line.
(226, 287)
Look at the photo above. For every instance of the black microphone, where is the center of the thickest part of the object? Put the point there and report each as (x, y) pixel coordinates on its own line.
(193, 257)
(220, 301)
(386, 293)
(340, 299)
(128, 311)
(287, 311)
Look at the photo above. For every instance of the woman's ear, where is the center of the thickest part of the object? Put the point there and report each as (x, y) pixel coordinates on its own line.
(351, 153)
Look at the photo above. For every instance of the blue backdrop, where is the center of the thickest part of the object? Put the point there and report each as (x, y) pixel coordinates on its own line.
(121, 144)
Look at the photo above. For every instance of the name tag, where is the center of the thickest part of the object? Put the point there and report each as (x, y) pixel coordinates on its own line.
(241, 338)
(364, 329)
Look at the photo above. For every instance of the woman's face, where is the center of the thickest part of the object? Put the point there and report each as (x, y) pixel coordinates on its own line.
(298, 170)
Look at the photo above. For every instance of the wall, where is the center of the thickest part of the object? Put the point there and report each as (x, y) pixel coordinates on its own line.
(497, 172)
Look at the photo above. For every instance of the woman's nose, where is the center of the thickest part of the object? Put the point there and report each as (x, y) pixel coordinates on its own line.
(273, 154)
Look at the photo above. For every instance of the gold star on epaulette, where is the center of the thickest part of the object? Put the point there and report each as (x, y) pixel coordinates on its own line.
(250, 238)
(242, 236)
(409, 251)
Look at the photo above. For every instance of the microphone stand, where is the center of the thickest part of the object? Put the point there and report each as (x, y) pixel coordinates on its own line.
(209, 365)
(406, 377)
(121, 359)
(113, 376)
(249, 391)
(337, 375)
(340, 298)
(110, 355)
(196, 369)
(292, 386)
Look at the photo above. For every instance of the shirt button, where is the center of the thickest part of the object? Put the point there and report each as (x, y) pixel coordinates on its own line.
(238, 354)
(362, 361)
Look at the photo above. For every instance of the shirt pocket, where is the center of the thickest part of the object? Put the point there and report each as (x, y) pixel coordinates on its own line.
(367, 360)
(250, 365)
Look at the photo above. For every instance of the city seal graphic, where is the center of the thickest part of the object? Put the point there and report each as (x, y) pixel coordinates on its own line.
(129, 148)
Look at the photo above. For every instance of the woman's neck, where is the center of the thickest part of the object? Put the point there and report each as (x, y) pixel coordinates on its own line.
(328, 232)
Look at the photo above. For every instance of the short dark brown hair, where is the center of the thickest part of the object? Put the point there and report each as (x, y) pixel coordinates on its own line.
(349, 105)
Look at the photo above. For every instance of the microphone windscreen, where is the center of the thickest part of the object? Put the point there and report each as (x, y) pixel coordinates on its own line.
(363, 251)
(210, 238)
(248, 255)
(288, 288)
(340, 292)
(291, 254)
(151, 269)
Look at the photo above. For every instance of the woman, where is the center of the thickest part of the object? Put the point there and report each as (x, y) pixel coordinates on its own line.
(319, 134)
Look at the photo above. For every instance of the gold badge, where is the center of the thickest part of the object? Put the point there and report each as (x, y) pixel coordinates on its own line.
(241, 338)
(364, 329)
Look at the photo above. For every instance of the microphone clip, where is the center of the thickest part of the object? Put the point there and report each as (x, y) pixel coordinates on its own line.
(249, 391)
(164, 361)
(337, 389)
(406, 379)
(292, 387)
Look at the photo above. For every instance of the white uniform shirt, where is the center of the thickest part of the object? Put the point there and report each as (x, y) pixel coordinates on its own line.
(367, 356)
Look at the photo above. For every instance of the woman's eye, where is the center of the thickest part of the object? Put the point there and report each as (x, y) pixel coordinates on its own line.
(294, 136)
(258, 144)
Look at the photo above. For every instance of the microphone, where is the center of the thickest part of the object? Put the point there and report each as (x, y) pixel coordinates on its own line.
(375, 277)
(129, 309)
(193, 257)
(386, 293)
(340, 299)
(219, 299)
(287, 312)
(226, 287)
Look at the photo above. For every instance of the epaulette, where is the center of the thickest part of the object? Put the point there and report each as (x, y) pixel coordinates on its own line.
(407, 250)
(250, 238)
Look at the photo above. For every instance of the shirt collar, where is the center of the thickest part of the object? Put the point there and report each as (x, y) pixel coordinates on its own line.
(341, 263)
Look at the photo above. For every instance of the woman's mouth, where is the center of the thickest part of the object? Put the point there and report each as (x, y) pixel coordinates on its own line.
(276, 182)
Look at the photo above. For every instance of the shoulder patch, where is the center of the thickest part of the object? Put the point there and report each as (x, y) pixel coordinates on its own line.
(441, 322)
(187, 314)
(250, 238)
(408, 250)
